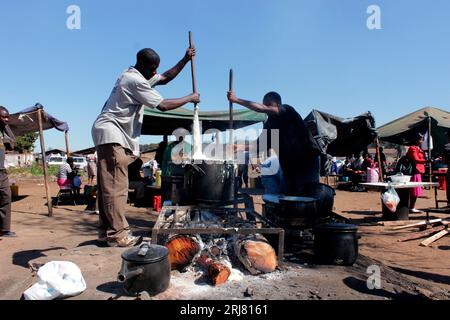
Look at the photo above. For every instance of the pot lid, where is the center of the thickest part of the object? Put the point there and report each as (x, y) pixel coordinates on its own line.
(146, 253)
(337, 227)
(297, 199)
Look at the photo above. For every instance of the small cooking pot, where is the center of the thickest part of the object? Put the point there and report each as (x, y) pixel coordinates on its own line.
(145, 268)
(336, 243)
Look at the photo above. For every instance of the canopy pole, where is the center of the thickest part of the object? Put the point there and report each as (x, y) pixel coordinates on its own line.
(430, 166)
(380, 166)
(231, 113)
(67, 144)
(44, 166)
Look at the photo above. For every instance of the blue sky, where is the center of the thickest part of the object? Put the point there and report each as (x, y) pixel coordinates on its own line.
(316, 54)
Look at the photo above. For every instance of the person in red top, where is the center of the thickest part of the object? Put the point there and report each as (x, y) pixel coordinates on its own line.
(417, 157)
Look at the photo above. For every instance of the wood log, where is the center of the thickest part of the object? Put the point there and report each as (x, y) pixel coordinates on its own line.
(217, 270)
(421, 234)
(256, 254)
(218, 273)
(434, 238)
(182, 250)
(417, 224)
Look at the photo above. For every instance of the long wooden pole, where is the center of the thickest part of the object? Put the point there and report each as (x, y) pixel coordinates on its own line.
(430, 167)
(380, 166)
(194, 82)
(67, 144)
(231, 113)
(44, 164)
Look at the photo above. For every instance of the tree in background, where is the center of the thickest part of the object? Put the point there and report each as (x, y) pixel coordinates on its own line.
(25, 143)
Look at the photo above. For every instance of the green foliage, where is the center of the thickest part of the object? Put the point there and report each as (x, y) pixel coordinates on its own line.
(35, 170)
(26, 142)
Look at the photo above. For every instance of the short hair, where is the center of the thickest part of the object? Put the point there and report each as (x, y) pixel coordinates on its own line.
(148, 57)
(273, 97)
(2, 108)
(69, 160)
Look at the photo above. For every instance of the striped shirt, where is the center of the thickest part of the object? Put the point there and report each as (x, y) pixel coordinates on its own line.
(64, 171)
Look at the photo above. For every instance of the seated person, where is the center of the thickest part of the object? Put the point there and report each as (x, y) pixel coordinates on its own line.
(65, 174)
(135, 180)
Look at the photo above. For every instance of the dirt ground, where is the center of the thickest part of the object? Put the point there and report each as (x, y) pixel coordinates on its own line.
(408, 271)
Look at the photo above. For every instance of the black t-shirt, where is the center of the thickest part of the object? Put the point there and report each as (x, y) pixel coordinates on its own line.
(296, 144)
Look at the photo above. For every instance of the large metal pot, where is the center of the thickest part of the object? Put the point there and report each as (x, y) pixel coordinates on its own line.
(291, 212)
(336, 243)
(210, 181)
(145, 268)
(323, 193)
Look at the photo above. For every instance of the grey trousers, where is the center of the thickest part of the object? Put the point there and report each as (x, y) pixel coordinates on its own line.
(112, 180)
(5, 202)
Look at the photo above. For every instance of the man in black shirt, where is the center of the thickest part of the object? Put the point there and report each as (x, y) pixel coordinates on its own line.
(7, 142)
(298, 153)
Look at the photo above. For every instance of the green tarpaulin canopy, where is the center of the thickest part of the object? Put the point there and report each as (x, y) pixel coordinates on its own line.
(402, 130)
(164, 123)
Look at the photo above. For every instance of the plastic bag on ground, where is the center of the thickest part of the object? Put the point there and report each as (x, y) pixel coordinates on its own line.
(391, 199)
(56, 279)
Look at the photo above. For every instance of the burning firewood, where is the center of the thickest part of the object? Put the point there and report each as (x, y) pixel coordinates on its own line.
(256, 254)
(182, 250)
(218, 270)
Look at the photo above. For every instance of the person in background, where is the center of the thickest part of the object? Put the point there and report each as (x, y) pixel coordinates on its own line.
(242, 175)
(272, 174)
(368, 162)
(7, 143)
(91, 168)
(159, 155)
(383, 161)
(417, 157)
(116, 133)
(446, 159)
(149, 170)
(65, 174)
(135, 180)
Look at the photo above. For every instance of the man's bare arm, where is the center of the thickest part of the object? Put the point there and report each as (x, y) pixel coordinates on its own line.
(170, 104)
(171, 74)
(255, 106)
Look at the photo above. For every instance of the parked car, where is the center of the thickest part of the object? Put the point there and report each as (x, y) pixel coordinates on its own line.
(79, 163)
(56, 160)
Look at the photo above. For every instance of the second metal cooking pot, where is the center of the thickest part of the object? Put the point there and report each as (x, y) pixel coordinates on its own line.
(325, 195)
(145, 268)
(291, 212)
(210, 181)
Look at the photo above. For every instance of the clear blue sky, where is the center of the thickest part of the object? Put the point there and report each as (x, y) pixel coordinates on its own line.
(316, 54)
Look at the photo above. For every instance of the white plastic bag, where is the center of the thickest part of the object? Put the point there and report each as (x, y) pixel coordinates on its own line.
(391, 199)
(56, 279)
